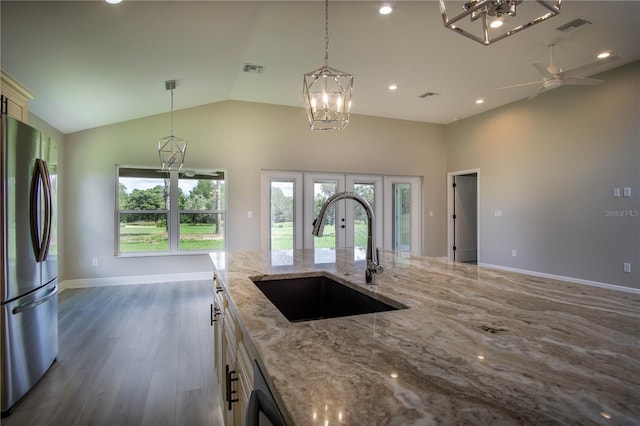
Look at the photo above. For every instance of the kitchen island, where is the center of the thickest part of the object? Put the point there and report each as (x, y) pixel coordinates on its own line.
(475, 346)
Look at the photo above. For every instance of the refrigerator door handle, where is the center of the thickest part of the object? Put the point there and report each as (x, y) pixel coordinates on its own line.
(40, 179)
(35, 303)
(48, 223)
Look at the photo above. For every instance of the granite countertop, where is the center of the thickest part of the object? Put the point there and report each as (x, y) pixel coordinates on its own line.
(476, 346)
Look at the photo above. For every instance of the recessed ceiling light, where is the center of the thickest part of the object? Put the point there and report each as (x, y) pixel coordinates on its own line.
(479, 101)
(603, 55)
(113, 1)
(393, 87)
(385, 9)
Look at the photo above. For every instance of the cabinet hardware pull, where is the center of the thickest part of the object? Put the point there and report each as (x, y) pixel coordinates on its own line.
(219, 289)
(214, 313)
(230, 391)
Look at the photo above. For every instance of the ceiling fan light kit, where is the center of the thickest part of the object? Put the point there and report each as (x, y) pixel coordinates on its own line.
(492, 20)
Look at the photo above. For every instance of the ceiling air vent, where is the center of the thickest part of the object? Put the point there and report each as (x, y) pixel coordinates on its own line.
(429, 95)
(572, 26)
(256, 69)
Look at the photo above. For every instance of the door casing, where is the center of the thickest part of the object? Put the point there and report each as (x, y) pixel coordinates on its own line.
(450, 211)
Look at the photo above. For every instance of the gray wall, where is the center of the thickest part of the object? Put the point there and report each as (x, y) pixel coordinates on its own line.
(242, 138)
(550, 165)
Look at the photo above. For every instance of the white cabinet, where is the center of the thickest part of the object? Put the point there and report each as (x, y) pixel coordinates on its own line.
(233, 364)
(14, 97)
(244, 367)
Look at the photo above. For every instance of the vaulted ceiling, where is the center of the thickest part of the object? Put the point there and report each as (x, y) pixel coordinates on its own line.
(90, 63)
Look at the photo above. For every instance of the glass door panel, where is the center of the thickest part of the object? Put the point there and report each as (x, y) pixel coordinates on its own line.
(282, 211)
(369, 188)
(402, 213)
(318, 188)
(281, 215)
(402, 217)
(321, 192)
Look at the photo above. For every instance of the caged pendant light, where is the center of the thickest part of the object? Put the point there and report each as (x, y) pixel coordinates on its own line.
(327, 91)
(487, 21)
(171, 148)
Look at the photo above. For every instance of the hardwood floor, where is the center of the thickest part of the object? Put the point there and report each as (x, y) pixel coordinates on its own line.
(129, 355)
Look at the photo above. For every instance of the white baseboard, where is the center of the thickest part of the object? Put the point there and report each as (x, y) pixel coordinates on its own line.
(137, 279)
(562, 278)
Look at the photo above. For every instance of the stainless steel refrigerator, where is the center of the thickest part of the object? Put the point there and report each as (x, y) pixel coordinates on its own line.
(29, 291)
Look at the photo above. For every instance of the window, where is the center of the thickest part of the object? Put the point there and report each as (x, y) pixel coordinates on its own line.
(169, 212)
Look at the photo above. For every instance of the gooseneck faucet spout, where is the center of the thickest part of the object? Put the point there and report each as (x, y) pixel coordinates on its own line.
(373, 267)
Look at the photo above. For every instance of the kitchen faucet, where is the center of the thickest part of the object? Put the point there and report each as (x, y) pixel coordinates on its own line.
(373, 267)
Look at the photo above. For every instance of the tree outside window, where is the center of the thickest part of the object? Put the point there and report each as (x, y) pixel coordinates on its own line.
(152, 218)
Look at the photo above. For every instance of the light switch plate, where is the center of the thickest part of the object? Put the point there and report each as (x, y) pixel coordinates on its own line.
(626, 267)
(498, 213)
(616, 192)
(627, 191)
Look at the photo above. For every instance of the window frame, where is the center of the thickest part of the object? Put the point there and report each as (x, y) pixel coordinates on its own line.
(172, 213)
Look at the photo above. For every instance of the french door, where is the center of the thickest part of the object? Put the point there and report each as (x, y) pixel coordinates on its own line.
(292, 201)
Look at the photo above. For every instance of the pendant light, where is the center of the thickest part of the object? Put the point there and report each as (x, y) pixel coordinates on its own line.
(492, 20)
(171, 148)
(327, 91)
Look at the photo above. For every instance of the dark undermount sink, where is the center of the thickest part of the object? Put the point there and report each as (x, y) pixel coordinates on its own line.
(318, 297)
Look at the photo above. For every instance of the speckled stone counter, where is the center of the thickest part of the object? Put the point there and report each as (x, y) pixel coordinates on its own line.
(476, 346)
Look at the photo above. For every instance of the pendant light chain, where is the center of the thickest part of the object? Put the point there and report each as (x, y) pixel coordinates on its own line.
(326, 33)
(171, 113)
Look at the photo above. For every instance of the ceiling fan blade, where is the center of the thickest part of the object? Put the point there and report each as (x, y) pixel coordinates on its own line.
(586, 68)
(517, 85)
(542, 70)
(581, 81)
(536, 93)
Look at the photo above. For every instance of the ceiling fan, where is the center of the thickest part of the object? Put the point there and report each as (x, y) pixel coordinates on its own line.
(553, 76)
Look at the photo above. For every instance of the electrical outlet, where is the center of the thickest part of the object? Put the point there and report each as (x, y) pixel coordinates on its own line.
(497, 213)
(94, 261)
(616, 192)
(626, 191)
(626, 267)
(513, 253)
